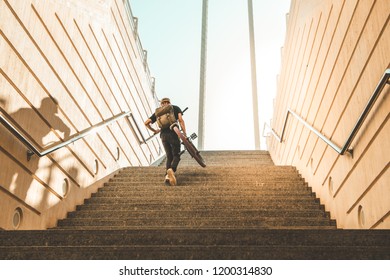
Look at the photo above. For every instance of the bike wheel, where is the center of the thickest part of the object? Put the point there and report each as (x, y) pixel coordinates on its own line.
(190, 147)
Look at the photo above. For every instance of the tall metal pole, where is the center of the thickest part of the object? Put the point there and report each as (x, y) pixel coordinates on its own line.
(254, 78)
(202, 84)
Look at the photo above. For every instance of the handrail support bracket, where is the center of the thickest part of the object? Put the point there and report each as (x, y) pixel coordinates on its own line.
(29, 155)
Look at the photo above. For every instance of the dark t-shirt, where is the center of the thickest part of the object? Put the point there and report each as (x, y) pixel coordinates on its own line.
(176, 111)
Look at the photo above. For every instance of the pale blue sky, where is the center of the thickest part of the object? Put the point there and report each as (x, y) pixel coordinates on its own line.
(170, 30)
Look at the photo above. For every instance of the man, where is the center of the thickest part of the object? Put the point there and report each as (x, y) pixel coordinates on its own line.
(165, 116)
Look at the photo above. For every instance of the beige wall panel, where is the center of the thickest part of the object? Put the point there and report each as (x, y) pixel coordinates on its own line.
(136, 150)
(15, 179)
(365, 84)
(74, 57)
(124, 26)
(304, 94)
(58, 63)
(305, 50)
(345, 164)
(84, 54)
(326, 39)
(352, 72)
(84, 40)
(385, 224)
(291, 38)
(43, 168)
(127, 57)
(126, 143)
(8, 206)
(117, 132)
(49, 170)
(329, 60)
(103, 54)
(126, 66)
(155, 147)
(307, 55)
(364, 175)
(296, 69)
(103, 136)
(331, 93)
(321, 22)
(285, 77)
(374, 210)
(332, 19)
(363, 91)
(106, 40)
(34, 60)
(41, 132)
(75, 197)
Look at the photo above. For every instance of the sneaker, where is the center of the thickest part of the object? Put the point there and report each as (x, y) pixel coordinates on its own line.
(166, 180)
(171, 177)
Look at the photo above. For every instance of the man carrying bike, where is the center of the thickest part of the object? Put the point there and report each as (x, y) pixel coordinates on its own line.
(166, 116)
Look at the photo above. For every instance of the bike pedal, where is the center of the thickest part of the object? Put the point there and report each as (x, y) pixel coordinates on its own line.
(193, 136)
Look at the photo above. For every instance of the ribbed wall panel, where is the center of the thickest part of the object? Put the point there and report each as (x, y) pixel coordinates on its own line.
(85, 55)
(334, 56)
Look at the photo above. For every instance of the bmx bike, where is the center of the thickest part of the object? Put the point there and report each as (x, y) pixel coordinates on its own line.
(189, 146)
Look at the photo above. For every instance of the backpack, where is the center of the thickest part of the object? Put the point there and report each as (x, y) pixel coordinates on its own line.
(165, 116)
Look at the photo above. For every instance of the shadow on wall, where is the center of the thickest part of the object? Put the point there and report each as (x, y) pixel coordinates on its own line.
(19, 181)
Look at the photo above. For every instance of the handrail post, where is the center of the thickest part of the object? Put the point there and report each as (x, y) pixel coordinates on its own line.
(384, 80)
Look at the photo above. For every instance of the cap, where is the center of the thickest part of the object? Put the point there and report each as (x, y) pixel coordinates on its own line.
(165, 99)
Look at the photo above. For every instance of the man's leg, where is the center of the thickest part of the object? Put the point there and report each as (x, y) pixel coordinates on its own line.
(175, 153)
(168, 150)
(174, 157)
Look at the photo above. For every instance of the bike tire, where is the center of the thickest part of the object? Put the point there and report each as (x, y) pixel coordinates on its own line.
(190, 147)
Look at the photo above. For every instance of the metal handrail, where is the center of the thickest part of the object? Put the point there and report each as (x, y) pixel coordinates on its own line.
(56, 146)
(144, 140)
(345, 148)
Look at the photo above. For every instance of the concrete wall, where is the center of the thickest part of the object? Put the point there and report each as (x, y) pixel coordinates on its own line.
(67, 65)
(334, 55)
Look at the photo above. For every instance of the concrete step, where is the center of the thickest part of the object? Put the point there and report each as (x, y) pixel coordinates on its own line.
(214, 171)
(194, 213)
(182, 189)
(196, 252)
(196, 222)
(216, 223)
(210, 178)
(229, 158)
(204, 200)
(202, 244)
(178, 206)
(202, 191)
(205, 237)
(160, 182)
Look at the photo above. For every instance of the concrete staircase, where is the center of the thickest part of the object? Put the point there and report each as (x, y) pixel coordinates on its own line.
(241, 206)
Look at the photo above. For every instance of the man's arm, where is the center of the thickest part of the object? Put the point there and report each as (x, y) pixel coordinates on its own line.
(182, 124)
(148, 123)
